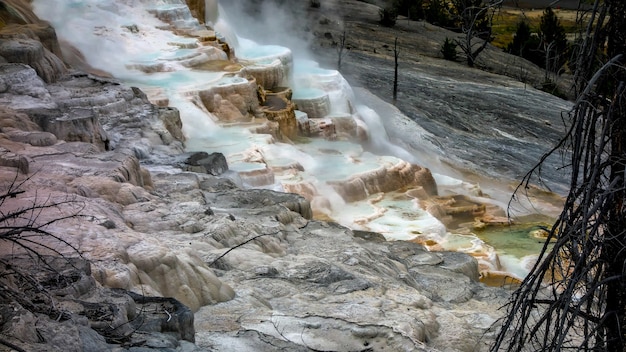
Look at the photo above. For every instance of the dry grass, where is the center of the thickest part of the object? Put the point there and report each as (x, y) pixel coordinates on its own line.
(505, 23)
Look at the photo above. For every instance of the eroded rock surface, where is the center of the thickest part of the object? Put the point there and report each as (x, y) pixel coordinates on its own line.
(254, 269)
(252, 264)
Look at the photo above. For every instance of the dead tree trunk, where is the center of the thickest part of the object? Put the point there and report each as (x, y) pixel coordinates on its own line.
(615, 246)
(575, 296)
(395, 72)
(341, 49)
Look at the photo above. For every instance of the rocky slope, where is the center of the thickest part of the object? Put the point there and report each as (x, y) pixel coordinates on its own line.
(488, 121)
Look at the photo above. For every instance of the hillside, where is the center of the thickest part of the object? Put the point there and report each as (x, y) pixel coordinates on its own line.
(494, 112)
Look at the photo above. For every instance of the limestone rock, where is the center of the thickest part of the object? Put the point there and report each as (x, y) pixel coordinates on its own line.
(279, 108)
(269, 201)
(72, 125)
(330, 292)
(171, 120)
(13, 120)
(346, 127)
(35, 45)
(234, 99)
(252, 264)
(17, 12)
(384, 179)
(166, 315)
(17, 161)
(315, 106)
(270, 73)
(37, 139)
(21, 88)
(198, 9)
(93, 110)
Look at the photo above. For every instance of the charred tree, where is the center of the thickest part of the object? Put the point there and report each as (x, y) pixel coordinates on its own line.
(341, 49)
(575, 296)
(474, 21)
(396, 53)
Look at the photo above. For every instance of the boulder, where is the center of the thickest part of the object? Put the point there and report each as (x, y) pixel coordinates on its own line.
(213, 164)
(173, 124)
(36, 139)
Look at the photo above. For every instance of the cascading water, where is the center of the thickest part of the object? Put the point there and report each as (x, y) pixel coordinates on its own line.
(134, 42)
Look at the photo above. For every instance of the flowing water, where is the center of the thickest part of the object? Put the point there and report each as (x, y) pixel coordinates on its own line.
(130, 40)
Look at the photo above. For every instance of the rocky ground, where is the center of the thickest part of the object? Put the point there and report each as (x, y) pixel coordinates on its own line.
(146, 225)
(255, 270)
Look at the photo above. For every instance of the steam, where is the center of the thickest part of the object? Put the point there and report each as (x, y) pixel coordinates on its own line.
(100, 28)
(270, 22)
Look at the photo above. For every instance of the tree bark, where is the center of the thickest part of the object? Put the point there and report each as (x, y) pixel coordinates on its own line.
(615, 242)
(395, 72)
(586, 265)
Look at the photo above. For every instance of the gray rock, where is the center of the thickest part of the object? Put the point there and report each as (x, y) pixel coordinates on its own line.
(318, 272)
(36, 139)
(164, 315)
(369, 236)
(31, 52)
(266, 201)
(10, 159)
(92, 341)
(21, 88)
(173, 124)
(442, 284)
(461, 263)
(72, 125)
(214, 164)
(266, 271)
(347, 286)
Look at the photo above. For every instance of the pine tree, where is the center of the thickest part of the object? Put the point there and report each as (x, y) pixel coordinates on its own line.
(554, 41)
(520, 40)
(437, 13)
(413, 9)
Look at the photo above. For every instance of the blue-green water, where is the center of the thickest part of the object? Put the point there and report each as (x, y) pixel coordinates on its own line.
(515, 240)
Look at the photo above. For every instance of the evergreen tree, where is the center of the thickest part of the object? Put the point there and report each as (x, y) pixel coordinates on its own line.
(448, 49)
(526, 45)
(387, 16)
(438, 13)
(413, 9)
(520, 39)
(553, 40)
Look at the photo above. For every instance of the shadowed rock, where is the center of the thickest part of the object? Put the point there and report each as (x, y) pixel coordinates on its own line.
(72, 125)
(214, 164)
(35, 45)
(92, 318)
